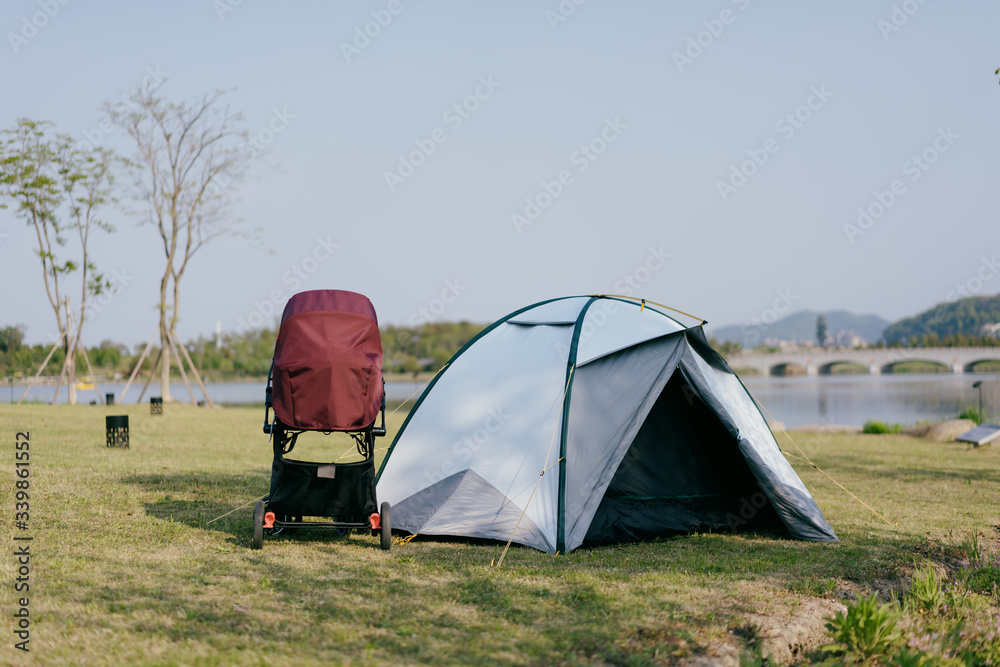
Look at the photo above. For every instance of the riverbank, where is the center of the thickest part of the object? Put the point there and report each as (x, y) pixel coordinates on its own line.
(133, 567)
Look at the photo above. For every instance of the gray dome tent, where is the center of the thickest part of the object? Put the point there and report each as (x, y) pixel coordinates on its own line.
(589, 420)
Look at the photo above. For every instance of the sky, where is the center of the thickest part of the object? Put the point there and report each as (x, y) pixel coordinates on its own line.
(734, 159)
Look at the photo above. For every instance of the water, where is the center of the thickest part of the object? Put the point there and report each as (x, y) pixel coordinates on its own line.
(829, 399)
(854, 399)
(221, 392)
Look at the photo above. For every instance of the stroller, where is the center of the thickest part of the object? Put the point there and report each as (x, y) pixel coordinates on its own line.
(326, 375)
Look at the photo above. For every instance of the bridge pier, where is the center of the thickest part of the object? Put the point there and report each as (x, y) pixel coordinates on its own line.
(873, 368)
(811, 368)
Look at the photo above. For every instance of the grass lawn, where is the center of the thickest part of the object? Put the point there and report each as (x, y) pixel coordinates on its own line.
(128, 569)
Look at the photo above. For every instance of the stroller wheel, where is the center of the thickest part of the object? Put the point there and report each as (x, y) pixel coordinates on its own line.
(258, 524)
(386, 521)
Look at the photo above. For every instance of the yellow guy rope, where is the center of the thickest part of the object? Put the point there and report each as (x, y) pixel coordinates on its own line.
(234, 510)
(805, 458)
(651, 303)
(562, 404)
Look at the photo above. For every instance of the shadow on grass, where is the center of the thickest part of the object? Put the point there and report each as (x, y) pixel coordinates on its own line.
(917, 475)
(202, 499)
(384, 609)
(219, 502)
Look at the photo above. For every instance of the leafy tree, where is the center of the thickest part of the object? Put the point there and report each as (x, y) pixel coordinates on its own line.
(58, 189)
(188, 154)
(727, 348)
(11, 338)
(821, 330)
(952, 324)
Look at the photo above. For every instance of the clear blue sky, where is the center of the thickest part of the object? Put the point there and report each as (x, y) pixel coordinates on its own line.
(676, 134)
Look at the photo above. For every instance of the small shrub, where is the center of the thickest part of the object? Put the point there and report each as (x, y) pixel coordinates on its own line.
(972, 549)
(971, 412)
(912, 658)
(875, 427)
(983, 579)
(926, 595)
(867, 631)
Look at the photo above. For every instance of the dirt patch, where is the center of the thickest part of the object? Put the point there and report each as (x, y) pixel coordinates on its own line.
(941, 431)
(720, 655)
(785, 637)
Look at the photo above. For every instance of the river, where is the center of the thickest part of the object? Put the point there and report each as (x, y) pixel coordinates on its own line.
(829, 399)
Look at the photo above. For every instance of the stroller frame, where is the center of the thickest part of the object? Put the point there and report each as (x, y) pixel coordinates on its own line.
(267, 522)
(326, 376)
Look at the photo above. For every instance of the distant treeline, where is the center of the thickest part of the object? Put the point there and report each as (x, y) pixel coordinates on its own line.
(407, 349)
(952, 324)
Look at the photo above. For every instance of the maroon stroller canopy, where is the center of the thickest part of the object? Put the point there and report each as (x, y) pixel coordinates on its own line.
(328, 362)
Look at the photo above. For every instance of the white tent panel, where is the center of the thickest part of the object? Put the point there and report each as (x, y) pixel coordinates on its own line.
(612, 325)
(497, 411)
(560, 311)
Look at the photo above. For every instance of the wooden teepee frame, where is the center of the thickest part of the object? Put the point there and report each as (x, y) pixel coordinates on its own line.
(175, 346)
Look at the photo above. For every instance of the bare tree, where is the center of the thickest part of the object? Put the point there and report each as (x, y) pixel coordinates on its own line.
(188, 156)
(40, 175)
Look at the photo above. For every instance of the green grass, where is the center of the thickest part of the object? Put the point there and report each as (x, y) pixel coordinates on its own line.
(875, 427)
(917, 366)
(974, 413)
(129, 567)
(847, 368)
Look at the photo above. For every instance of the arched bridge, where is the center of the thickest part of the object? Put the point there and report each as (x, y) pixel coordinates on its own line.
(820, 360)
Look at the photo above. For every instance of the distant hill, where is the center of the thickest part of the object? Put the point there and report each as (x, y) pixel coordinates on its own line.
(801, 326)
(964, 317)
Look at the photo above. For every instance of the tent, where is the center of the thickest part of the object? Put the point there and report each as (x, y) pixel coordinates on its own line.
(590, 420)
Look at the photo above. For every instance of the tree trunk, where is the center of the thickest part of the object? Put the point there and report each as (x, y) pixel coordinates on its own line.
(71, 378)
(70, 357)
(164, 341)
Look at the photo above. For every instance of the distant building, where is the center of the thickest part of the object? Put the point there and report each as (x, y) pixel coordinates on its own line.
(849, 339)
(990, 330)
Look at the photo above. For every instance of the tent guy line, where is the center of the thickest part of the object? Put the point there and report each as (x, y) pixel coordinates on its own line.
(541, 474)
(805, 459)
